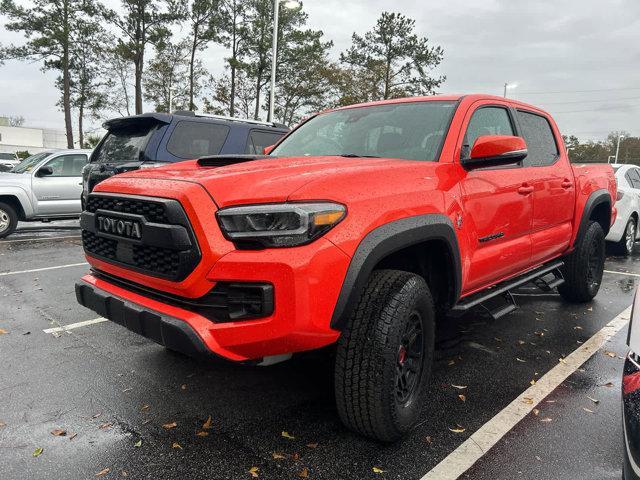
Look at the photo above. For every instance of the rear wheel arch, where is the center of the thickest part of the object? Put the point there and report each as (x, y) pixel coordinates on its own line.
(596, 209)
(424, 244)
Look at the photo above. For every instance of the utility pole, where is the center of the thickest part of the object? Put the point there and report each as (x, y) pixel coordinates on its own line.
(620, 137)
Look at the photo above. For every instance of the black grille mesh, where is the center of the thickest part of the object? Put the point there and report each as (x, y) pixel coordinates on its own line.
(103, 247)
(154, 259)
(153, 212)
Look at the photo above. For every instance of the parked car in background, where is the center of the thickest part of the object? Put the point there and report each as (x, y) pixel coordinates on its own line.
(45, 186)
(624, 232)
(363, 228)
(631, 397)
(154, 139)
(8, 161)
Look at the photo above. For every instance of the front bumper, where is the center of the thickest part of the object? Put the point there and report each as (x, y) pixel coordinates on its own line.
(306, 283)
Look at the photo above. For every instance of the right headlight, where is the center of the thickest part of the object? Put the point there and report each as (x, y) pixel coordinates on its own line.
(280, 224)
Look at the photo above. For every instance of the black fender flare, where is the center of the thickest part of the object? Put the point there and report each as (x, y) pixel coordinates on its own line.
(599, 197)
(385, 240)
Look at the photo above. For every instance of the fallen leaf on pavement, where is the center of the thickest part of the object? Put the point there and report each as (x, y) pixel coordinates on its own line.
(562, 360)
(202, 433)
(577, 327)
(104, 426)
(144, 407)
(536, 412)
(37, 452)
(520, 360)
(608, 385)
(451, 363)
(72, 436)
(459, 387)
(546, 420)
(377, 470)
(428, 440)
(96, 415)
(183, 386)
(2, 424)
(207, 425)
(533, 382)
(458, 429)
(176, 445)
(286, 435)
(253, 471)
(527, 400)
(58, 432)
(312, 445)
(169, 426)
(610, 354)
(462, 397)
(304, 473)
(277, 456)
(3, 331)
(594, 400)
(521, 342)
(103, 472)
(587, 410)
(538, 458)
(138, 444)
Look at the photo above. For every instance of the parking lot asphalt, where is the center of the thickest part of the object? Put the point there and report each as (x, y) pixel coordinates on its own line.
(132, 409)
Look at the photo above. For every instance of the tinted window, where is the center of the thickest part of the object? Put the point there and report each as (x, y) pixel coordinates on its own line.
(259, 139)
(541, 143)
(124, 144)
(194, 139)
(67, 165)
(411, 131)
(488, 121)
(633, 177)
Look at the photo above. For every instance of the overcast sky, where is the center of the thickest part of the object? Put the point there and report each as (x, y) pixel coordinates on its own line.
(579, 59)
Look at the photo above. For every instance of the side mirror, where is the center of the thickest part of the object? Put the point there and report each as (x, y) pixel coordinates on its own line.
(44, 172)
(495, 150)
(267, 150)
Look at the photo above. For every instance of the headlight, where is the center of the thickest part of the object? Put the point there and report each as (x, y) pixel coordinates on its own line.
(279, 225)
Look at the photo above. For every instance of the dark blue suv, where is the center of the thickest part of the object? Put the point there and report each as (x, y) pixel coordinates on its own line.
(146, 140)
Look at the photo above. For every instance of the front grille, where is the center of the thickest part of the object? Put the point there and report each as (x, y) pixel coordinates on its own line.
(102, 247)
(152, 211)
(167, 249)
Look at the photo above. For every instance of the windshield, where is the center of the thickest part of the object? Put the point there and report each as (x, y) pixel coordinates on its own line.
(28, 163)
(124, 144)
(411, 131)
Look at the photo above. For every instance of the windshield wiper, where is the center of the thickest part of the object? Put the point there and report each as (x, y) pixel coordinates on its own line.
(354, 155)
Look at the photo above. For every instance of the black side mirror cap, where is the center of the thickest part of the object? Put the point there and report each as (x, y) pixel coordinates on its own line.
(44, 171)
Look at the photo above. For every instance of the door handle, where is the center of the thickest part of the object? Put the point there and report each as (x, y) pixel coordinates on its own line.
(525, 189)
(566, 183)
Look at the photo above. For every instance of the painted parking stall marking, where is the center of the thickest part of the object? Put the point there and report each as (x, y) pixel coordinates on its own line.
(73, 326)
(622, 273)
(44, 269)
(478, 444)
(40, 239)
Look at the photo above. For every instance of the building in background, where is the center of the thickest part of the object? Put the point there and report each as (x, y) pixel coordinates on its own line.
(33, 140)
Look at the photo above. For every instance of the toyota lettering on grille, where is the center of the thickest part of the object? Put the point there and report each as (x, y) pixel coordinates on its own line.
(122, 228)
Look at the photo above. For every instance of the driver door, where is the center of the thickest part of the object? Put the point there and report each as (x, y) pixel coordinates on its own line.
(58, 194)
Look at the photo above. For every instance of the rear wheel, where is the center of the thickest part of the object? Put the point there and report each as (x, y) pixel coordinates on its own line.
(583, 269)
(384, 356)
(626, 243)
(8, 220)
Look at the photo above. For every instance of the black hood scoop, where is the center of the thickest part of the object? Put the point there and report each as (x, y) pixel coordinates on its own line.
(224, 160)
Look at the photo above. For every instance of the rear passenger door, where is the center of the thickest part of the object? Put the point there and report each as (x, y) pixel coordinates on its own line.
(554, 190)
(59, 193)
(259, 139)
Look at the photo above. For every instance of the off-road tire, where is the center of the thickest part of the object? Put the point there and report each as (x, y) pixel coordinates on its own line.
(7, 213)
(368, 362)
(623, 247)
(583, 269)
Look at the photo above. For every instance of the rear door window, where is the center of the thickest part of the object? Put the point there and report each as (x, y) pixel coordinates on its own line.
(541, 143)
(259, 139)
(633, 177)
(197, 139)
(124, 144)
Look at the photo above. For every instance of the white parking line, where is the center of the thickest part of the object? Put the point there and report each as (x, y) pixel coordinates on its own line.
(43, 269)
(478, 444)
(75, 325)
(622, 273)
(38, 239)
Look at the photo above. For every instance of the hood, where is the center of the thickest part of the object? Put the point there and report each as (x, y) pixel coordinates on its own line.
(7, 178)
(269, 179)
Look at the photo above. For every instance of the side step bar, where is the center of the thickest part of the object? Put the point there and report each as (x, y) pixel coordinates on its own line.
(504, 289)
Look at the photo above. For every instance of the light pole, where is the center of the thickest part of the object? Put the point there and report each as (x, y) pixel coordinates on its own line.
(509, 86)
(274, 50)
(620, 137)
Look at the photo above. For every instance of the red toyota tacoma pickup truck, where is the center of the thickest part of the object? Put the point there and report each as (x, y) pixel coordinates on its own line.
(364, 227)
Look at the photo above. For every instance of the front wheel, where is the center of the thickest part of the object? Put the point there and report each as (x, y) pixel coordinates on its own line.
(583, 269)
(384, 355)
(8, 220)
